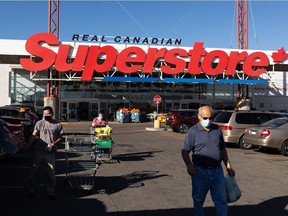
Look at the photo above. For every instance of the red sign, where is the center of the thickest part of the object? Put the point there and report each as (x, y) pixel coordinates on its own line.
(157, 99)
(90, 59)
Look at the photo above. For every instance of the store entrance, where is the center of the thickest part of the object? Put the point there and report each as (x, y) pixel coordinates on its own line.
(83, 110)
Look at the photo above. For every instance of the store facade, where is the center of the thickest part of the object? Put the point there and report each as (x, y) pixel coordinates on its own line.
(95, 77)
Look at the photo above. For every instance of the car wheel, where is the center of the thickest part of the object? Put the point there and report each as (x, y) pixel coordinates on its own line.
(284, 148)
(183, 128)
(244, 145)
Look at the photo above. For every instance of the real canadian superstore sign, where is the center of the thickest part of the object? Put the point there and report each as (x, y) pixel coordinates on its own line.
(133, 58)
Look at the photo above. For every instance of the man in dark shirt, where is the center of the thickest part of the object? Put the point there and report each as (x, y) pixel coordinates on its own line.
(205, 141)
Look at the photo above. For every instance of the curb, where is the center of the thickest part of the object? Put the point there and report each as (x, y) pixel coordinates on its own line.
(155, 129)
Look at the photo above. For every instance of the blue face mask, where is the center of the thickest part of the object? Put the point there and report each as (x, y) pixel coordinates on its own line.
(206, 123)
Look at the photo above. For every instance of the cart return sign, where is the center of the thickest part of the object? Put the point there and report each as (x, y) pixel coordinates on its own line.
(101, 58)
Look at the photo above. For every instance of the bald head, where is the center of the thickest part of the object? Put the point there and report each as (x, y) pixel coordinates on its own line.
(205, 111)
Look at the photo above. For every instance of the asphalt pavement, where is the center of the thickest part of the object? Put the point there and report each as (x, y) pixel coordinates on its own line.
(146, 176)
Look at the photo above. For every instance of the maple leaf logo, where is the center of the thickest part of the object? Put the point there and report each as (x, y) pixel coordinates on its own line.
(279, 56)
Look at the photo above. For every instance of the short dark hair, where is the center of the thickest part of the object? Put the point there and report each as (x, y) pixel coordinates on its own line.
(48, 108)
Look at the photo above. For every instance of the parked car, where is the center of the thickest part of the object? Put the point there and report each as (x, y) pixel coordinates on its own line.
(19, 111)
(25, 123)
(19, 131)
(272, 134)
(234, 122)
(12, 138)
(19, 115)
(182, 119)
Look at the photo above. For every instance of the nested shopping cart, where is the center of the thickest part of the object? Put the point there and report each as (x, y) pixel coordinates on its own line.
(81, 168)
(84, 153)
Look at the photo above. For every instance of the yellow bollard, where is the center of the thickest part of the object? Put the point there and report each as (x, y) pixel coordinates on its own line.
(157, 123)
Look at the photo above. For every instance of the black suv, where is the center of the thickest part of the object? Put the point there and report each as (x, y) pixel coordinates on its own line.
(181, 120)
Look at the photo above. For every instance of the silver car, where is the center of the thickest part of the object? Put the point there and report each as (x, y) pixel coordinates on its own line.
(234, 122)
(272, 134)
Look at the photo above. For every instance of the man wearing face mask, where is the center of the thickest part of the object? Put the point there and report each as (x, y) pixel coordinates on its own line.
(46, 135)
(205, 141)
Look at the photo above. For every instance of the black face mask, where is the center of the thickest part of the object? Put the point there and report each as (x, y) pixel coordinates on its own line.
(47, 117)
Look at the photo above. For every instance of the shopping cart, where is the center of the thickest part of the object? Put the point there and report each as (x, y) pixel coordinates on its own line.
(80, 167)
(102, 143)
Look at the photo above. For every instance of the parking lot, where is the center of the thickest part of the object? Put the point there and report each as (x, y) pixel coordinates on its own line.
(146, 177)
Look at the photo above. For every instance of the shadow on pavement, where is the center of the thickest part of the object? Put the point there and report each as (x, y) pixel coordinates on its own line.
(64, 204)
(14, 201)
(136, 156)
(273, 207)
(72, 205)
(107, 184)
(114, 184)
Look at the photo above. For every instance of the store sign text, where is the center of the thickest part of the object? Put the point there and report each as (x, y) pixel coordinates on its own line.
(132, 59)
(126, 40)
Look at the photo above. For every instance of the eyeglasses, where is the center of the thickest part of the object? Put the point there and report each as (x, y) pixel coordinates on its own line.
(205, 118)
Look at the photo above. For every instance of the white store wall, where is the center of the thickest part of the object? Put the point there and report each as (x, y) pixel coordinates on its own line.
(4, 86)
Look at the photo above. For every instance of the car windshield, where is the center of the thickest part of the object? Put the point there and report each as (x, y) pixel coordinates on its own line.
(275, 122)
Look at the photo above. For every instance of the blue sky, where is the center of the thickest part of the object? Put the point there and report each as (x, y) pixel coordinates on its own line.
(211, 22)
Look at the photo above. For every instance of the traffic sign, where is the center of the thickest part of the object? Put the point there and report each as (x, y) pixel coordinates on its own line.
(157, 99)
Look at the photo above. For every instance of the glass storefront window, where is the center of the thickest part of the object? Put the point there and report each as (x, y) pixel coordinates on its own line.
(93, 111)
(63, 110)
(176, 105)
(72, 111)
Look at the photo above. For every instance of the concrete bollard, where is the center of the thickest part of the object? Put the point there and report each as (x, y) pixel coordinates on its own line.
(157, 124)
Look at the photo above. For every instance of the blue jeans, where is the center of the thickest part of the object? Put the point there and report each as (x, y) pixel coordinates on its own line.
(213, 180)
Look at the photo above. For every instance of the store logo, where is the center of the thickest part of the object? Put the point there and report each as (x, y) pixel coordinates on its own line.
(90, 59)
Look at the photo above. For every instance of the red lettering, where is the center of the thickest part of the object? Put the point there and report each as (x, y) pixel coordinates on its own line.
(234, 59)
(210, 58)
(131, 59)
(125, 59)
(77, 64)
(152, 56)
(34, 48)
(96, 61)
(196, 54)
(171, 57)
(256, 59)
